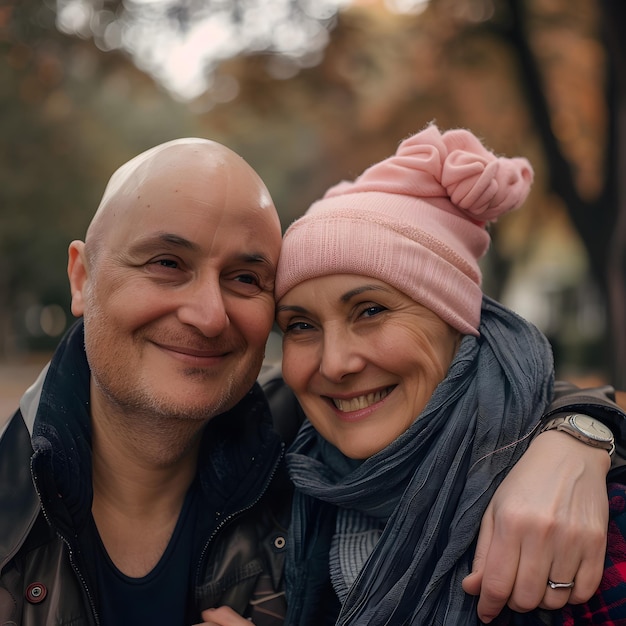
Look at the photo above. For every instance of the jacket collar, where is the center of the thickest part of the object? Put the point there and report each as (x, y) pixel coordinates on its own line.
(18, 500)
(239, 454)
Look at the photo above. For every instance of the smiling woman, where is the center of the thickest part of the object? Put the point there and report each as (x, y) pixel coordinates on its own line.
(343, 323)
(421, 393)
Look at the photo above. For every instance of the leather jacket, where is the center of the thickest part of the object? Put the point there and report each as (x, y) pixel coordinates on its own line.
(46, 577)
(45, 580)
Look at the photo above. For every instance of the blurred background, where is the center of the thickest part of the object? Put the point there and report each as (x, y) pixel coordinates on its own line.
(310, 92)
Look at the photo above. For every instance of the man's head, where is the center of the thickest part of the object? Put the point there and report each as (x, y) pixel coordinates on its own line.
(175, 281)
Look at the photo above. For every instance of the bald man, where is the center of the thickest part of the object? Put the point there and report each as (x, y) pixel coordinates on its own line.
(141, 481)
(144, 450)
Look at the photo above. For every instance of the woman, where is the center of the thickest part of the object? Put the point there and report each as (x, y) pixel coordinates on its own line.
(406, 374)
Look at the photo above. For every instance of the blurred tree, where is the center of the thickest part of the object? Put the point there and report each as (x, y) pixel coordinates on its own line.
(595, 200)
(541, 78)
(521, 73)
(65, 120)
(614, 16)
(529, 77)
(160, 35)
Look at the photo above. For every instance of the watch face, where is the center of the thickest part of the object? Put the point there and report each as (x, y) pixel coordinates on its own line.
(592, 428)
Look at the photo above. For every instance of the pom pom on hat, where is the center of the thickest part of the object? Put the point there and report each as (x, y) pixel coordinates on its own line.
(416, 220)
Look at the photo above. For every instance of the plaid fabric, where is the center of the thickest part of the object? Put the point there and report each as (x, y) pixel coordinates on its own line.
(608, 605)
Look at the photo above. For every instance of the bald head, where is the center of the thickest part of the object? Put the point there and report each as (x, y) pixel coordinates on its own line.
(175, 282)
(190, 167)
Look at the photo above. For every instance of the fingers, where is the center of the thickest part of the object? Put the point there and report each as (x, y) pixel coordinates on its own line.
(586, 573)
(497, 565)
(485, 537)
(223, 616)
(495, 591)
(546, 556)
(548, 520)
(588, 576)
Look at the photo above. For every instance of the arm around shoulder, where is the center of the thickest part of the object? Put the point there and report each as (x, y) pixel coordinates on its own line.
(603, 403)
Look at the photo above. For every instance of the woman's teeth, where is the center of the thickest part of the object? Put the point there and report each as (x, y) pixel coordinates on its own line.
(360, 402)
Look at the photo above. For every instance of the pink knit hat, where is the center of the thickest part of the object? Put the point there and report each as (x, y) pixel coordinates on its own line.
(416, 220)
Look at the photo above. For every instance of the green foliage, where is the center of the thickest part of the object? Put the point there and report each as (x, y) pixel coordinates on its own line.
(70, 115)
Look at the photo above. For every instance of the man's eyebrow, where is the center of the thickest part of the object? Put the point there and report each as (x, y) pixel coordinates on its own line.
(255, 258)
(156, 242)
(152, 242)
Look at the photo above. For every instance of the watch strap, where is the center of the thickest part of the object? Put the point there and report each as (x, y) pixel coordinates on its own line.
(564, 424)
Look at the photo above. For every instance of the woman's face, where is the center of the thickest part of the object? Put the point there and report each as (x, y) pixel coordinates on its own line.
(362, 357)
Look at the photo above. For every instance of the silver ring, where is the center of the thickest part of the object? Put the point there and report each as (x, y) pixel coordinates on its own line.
(554, 585)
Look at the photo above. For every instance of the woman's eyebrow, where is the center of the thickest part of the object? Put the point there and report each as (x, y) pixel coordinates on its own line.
(346, 297)
(359, 290)
(290, 307)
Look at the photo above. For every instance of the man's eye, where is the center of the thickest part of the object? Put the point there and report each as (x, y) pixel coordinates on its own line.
(248, 279)
(245, 284)
(171, 263)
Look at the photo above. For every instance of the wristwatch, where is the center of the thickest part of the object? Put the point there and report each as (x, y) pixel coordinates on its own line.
(585, 428)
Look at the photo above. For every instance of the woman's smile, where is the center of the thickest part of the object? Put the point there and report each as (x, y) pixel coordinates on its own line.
(362, 357)
(360, 402)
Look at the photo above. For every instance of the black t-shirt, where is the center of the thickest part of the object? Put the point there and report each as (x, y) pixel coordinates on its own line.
(161, 597)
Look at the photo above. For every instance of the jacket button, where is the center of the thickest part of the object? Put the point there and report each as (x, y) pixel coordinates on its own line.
(36, 593)
(279, 542)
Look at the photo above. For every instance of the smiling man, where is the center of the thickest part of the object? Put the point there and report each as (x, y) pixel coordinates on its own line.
(153, 457)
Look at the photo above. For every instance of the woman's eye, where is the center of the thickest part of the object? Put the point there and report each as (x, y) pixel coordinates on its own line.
(372, 310)
(296, 326)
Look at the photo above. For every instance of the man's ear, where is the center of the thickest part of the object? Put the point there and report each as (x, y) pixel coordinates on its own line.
(78, 273)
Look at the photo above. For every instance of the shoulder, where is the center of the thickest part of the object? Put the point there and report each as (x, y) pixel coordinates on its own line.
(287, 416)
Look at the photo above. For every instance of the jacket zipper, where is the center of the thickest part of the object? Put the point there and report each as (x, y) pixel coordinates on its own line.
(232, 516)
(70, 551)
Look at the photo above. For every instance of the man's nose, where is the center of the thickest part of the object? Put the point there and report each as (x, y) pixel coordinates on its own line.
(203, 307)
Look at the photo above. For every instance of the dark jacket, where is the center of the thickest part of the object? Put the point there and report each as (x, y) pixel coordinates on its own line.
(46, 576)
(45, 579)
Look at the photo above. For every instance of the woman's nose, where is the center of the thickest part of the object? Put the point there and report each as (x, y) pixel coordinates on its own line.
(341, 355)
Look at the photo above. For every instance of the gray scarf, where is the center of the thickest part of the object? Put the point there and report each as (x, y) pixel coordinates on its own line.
(431, 485)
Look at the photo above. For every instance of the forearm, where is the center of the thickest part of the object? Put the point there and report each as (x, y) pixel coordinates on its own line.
(603, 403)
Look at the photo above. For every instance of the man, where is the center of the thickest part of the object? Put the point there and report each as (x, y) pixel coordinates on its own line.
(141, 480)
(174, 283)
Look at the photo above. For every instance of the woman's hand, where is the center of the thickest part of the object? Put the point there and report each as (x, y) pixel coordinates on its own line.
(547, 520)
(224, 616)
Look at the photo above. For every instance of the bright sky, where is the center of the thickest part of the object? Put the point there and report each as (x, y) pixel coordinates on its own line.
(182, 60)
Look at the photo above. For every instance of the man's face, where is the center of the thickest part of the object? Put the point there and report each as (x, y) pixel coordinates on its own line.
(177, 289)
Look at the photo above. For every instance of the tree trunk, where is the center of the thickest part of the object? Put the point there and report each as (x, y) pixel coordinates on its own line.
(614, 14)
